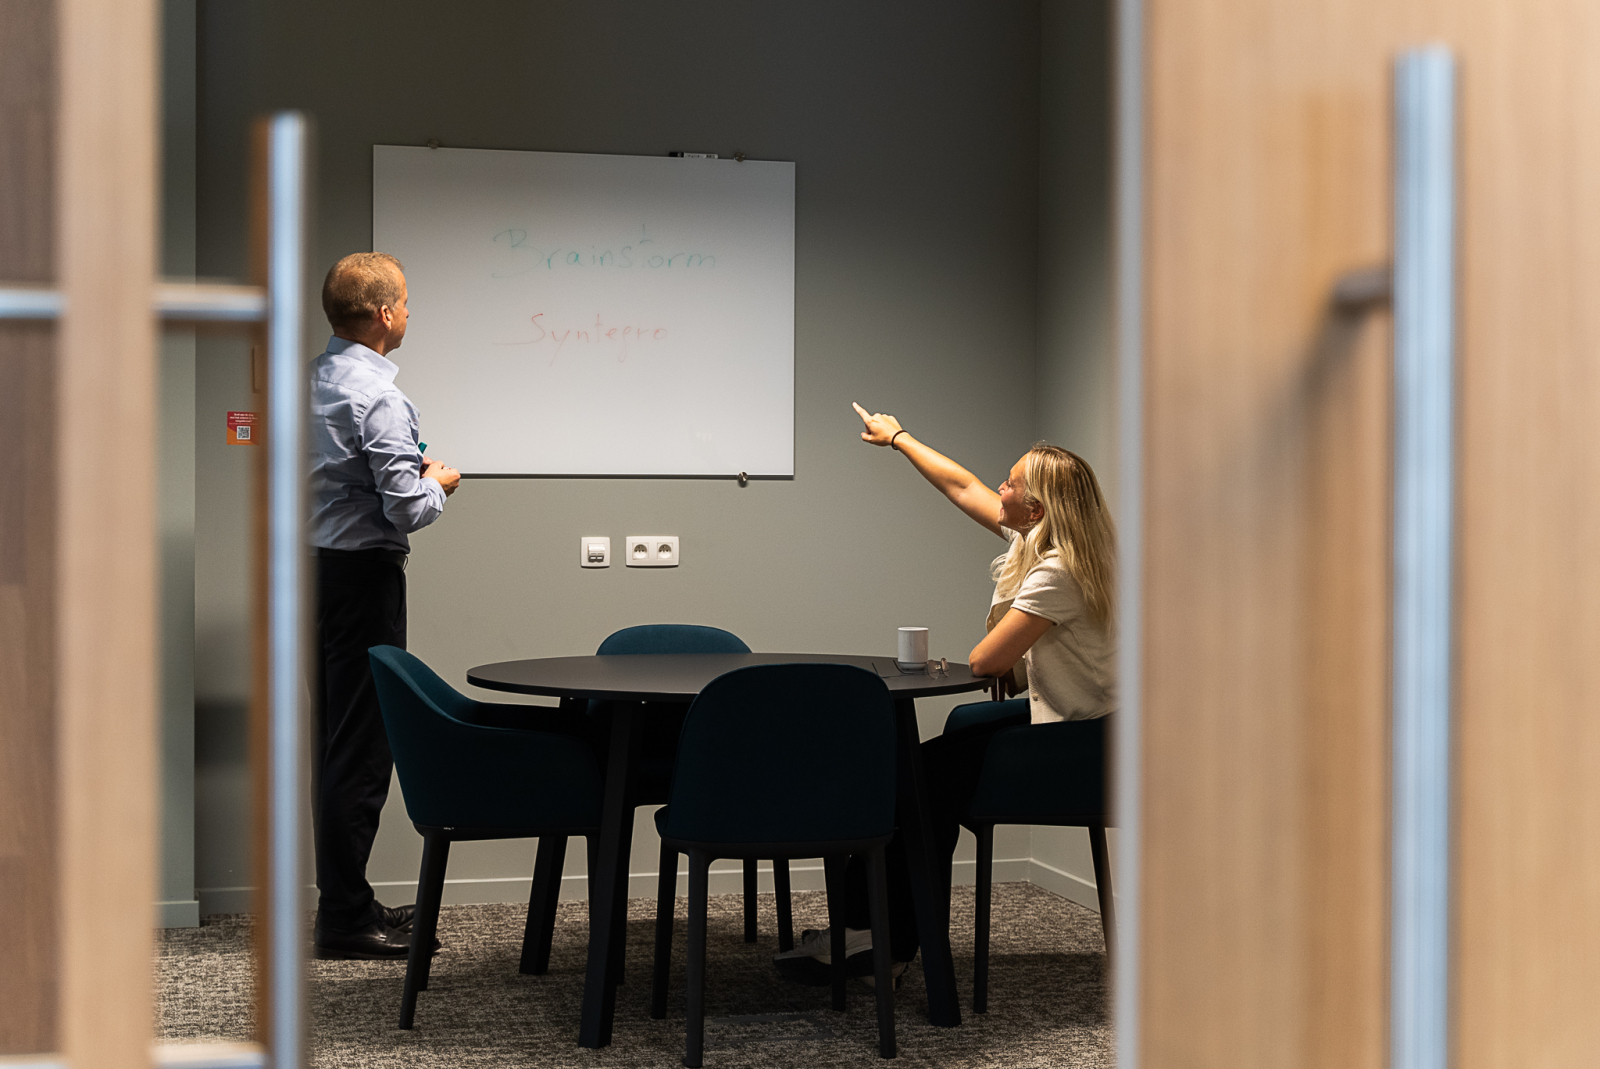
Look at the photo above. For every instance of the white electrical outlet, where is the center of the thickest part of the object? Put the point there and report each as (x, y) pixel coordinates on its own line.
(594, 551)
(651, 551)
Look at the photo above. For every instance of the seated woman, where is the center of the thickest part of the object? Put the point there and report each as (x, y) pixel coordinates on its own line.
(1050, 635)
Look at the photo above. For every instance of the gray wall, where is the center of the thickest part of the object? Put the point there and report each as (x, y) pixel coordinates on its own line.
(176, 902)
(223, 63)
(1076, 357)
(221, 639)
(915, 129)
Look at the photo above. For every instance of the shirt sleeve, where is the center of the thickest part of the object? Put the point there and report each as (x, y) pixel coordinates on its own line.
(389, 441)
(1049, 593)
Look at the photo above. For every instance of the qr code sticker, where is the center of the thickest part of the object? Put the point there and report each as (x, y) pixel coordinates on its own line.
(242, 433)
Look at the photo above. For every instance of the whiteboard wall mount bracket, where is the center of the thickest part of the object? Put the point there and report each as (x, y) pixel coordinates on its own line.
(738, 157)
(744, 478)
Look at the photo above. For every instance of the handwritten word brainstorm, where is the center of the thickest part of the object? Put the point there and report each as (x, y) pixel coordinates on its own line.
(615, 339)
(519, 256)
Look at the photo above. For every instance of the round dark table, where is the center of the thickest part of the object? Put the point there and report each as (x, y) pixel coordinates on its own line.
(628, 680)
(678, 677)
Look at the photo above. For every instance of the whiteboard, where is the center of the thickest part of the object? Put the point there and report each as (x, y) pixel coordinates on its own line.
(581, 314)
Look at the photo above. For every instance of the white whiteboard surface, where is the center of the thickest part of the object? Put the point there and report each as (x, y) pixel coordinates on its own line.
(594, 315)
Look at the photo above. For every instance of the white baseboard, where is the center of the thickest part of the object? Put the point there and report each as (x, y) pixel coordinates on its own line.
(1069, 886)
(179, 914)
(725, 879)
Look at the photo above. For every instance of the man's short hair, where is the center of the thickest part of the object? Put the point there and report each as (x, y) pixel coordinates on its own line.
(358, 286)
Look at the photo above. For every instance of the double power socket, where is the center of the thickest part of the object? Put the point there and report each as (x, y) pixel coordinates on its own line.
(638, 551)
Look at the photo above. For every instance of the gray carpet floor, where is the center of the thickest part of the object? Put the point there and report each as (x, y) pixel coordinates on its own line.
(1048, 1001)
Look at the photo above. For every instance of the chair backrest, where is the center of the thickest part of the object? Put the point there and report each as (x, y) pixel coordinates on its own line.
(459, 774)
(668, 638)
(786, 753)
(672, 638)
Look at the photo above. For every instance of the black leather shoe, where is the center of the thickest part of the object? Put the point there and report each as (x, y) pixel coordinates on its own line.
(397, 917)
(377, 942)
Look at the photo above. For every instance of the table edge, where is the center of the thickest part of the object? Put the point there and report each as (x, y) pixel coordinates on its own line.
(604, 694)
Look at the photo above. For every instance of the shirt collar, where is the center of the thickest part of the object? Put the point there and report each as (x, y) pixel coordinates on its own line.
(338, 346)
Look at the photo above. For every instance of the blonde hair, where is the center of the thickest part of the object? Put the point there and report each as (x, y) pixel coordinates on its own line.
(1076, 528)
(358, 287)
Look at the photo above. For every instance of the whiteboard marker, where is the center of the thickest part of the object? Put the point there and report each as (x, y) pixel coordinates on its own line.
(694, 155)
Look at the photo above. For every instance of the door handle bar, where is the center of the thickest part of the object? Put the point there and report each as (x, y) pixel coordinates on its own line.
(1424, 388)
(174, 303)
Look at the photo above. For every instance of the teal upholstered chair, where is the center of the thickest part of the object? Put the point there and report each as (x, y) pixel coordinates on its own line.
(747, 785)
(661, 735)
(1050, 774)
(672, 638)
(1012, 713)
(465, 779)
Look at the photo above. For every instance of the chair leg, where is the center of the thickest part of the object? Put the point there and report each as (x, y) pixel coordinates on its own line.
(430, 890)
(980, 948)
(436, 877)
(666, 904)
(541, 926)
(833, 877)
(1102, 882)
(749, 900)
(695, 1041)
(878, 891)
(780, 884)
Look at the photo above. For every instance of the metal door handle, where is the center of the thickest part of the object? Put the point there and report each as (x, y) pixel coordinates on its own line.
(1424, 476)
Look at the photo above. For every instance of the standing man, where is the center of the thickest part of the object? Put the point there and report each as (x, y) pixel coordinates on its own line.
(370, 487)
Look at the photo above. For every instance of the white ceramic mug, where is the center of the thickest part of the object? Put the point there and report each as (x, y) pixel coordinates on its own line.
(913, 647)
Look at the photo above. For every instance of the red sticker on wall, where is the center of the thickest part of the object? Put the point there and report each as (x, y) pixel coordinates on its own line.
(241, 428)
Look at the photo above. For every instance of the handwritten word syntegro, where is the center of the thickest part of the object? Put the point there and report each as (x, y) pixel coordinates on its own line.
(620, 338)
(633, 255)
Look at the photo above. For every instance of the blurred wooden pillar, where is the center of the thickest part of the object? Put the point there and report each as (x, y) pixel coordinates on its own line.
(1265, 896)
(28, 815)
(1267, 519)
(106, 585)
(77, 531)
(1527, 931)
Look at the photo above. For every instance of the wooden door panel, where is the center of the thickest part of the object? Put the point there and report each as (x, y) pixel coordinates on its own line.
(1267, 481)
(1267, 535)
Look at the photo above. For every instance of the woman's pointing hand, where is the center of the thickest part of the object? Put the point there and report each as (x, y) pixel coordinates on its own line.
(880, 427)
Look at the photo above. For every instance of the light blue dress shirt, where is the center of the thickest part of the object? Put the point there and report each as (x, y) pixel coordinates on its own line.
(367, 489)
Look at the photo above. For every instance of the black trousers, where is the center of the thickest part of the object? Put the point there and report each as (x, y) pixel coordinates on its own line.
(361, 603)
(952, 765)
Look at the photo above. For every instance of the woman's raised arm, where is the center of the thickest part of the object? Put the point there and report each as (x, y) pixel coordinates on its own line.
(963, 488)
